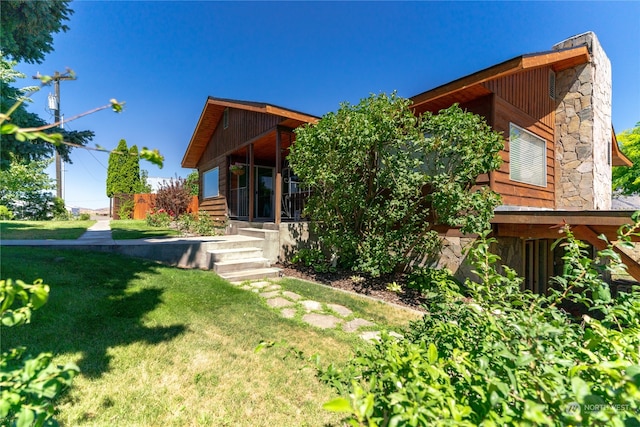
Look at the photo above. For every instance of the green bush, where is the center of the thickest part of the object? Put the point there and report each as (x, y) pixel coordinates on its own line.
(84, 217)
(5, 213)
(200, 224)
(127, 205)
(158, 218)
(492, 355)
(313, 258)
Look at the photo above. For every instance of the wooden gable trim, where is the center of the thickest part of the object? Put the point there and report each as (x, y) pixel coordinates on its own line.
(211, 116)
(617, 157)
(558, 60)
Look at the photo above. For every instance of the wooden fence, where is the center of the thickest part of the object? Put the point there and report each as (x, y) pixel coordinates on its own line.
(143, 203)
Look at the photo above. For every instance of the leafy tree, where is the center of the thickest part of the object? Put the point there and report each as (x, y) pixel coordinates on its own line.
(24, 190)
(386, 178)
(193, 183)
(123, 171)
(626, 180)
(173, 197)
(28, 27)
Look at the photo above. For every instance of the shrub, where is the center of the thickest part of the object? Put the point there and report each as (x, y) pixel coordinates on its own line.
(313, 258)
(492, 355)
(5, 213)
(201, 224)
(158, 218)
(387, 177)
(127, 205)
(173, 196)
(84, 216)
(29, 384)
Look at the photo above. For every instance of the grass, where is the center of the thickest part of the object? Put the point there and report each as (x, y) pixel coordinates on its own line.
(125, 229)
(163, 346)
(43, 230)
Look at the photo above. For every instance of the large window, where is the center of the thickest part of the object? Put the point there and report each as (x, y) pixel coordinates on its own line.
(527, 157)
(210, 183)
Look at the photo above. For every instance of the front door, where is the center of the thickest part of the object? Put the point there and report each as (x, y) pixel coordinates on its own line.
(264, 192)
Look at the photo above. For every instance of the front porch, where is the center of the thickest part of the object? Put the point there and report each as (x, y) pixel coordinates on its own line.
(261, 185)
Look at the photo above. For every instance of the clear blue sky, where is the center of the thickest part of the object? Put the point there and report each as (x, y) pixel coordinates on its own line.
(164, 58)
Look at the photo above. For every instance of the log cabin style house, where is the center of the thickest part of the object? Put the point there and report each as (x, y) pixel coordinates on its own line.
(553, 108)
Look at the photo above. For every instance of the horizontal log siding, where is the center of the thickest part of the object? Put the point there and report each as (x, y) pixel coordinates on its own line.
(216, 207)
(243, 126)
(529, 92)
(516, 193)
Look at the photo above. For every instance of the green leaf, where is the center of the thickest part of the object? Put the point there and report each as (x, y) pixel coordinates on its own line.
(432, 353)
(580, 388)
(339, 404)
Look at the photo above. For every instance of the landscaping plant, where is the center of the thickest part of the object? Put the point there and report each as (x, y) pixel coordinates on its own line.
(386, 177)
(29, 384)
(174, 197)
(490, 354)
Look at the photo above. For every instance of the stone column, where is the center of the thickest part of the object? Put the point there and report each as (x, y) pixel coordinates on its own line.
(583, 129)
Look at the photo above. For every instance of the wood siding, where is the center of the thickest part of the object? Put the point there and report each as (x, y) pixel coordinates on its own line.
(527, 91)
(515, 193)
(216, 207)
(243, 126)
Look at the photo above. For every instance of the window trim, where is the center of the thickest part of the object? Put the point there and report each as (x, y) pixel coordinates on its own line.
(225, 118)
(544, 156)
(205, 194)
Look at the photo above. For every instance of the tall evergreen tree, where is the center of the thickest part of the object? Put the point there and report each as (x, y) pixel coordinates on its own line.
(123, 171)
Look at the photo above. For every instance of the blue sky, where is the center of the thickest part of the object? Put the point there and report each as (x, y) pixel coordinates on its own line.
(165, 57)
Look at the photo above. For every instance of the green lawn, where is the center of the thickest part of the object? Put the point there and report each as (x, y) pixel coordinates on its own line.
(161, 346)
(43, 230)
(125, 229)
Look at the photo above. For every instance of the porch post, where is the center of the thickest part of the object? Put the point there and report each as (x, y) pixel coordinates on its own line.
(251, 183)
(278, 196)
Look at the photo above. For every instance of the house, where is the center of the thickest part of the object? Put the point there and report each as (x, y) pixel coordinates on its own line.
(553, 108)
(240, 150)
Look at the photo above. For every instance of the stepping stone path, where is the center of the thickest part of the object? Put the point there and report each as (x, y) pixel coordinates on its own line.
(323, 316)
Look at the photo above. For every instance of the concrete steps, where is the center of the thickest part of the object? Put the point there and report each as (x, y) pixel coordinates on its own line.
(246, 261)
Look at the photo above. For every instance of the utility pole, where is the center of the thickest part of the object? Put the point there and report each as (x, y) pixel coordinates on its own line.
(57, 78)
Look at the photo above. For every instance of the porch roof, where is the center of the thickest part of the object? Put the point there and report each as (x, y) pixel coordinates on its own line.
(212, 115)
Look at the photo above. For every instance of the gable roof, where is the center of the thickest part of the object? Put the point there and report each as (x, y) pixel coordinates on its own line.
(471, 87)
(212, 115)
(472, 84)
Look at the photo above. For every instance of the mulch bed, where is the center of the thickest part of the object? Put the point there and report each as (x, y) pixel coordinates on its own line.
(375, 287)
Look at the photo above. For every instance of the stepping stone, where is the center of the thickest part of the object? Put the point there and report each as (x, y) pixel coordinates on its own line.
(370, 335)
(273, 288)
(288, 313)
(311, 305)
(291, 295)
(323, 321)
(237, 283)
(340, 309)
(247, 288)
(260, 285)
(355, 324)
(268, 295)
(279, 302)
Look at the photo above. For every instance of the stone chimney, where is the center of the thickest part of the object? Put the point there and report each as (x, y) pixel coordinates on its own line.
(583, 129)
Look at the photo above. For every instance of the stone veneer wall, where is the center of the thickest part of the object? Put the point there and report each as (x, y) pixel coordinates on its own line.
(583, 129)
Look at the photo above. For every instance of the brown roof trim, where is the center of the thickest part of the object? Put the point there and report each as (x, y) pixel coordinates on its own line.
(617, 157)
(559, 59)
(209, 119)
(558, 217)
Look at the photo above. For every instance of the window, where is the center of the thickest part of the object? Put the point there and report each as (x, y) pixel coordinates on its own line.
(210, 183)
(225, 118)
(527, 157)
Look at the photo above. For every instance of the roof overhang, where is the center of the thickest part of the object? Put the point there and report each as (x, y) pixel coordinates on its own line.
(211, 116)
(546, 224)
(617, 157)
(558, 60)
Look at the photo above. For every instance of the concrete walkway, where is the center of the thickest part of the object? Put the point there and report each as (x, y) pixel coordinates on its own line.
(314, 313)
(98, 233)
